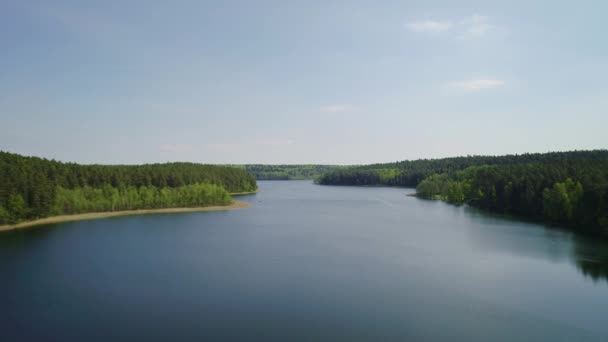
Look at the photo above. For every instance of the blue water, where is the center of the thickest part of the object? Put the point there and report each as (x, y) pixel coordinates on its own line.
(305, 263)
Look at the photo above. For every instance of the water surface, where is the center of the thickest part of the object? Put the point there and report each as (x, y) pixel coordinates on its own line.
(308, 263)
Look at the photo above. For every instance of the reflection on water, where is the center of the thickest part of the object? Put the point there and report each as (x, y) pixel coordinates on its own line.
(510, 235)
(305, 263)
(591, 258)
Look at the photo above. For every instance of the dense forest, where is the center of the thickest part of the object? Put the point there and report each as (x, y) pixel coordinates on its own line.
(566, 188)
(568, 192)
(411, 172)
(288, 172)
(32, 187)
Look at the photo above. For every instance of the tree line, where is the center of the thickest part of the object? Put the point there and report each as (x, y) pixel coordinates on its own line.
(573, 193)
(32, 187)
(108, 198)
(565, 188)
(410, 173)
(288, 172)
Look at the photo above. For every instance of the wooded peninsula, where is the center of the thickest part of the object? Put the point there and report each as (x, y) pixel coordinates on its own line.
(33, 188)
(565, 188)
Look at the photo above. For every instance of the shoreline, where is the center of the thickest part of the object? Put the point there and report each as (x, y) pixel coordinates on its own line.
(107, 214)
(244, 193)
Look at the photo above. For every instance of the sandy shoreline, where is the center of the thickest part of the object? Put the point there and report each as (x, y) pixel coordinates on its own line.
(91, 216)
(244, 193)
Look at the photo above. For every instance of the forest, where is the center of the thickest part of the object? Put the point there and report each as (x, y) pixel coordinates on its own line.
(34, 187)
(564, 188)
(288, 172)
(410, 173)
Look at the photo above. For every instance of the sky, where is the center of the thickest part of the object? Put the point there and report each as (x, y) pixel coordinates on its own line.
(335, 82)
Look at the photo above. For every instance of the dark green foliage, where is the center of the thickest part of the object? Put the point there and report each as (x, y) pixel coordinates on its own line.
(363, 176)
(4, 215)
(434, 186)
(568, 192)
(441, 187)
(285, 172)
(107, 198)
(412, 172)
(455, 193)
(16, 207)
(562, 200)
(29, 186)
(569, 188)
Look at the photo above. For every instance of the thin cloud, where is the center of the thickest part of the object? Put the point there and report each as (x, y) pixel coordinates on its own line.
(471, 27)
(477, 84)
(247, 143)
(338, 108)
(274, 142)
(430, 26)
(476, 26)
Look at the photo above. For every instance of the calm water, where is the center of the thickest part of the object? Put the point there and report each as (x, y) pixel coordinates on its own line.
(308, 263)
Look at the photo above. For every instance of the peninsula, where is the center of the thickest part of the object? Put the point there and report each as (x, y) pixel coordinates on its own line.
(37, 191)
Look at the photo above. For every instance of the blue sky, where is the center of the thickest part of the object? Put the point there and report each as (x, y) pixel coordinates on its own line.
(300, 81)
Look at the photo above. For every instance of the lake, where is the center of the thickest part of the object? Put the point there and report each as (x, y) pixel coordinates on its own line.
(305, 263)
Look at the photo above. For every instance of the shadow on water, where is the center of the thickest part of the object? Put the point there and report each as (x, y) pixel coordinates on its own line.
(588, 253)
(591, 258)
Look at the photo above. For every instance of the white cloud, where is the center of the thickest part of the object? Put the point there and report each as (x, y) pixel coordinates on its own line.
(477, 84)
(338, 108)
(475, 26)
(430, 26)
(470, 27)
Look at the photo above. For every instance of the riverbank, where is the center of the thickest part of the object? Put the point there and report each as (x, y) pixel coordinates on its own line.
(92, 216)
(244, 193)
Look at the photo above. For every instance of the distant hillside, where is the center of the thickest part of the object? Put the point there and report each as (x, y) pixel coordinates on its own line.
(287, 172)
